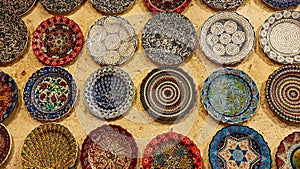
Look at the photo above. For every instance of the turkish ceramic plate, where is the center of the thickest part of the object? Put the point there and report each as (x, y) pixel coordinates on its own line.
(168, 93)
(227, 38)
(230, 95)
(49, 145)
(224, 5)
(109, 92)
(20, 7)
(5, 143)
(280, 37)
(282, 4)
(50, 93)
(287, 155)
(61, 6)
(8, 95)
(167, 6)
(172, 150)
(239, 147)
(13, 36)
(283, 92)
(111, 40)
(112, 6)
(109, 146)
(169, 38)
(57, 41)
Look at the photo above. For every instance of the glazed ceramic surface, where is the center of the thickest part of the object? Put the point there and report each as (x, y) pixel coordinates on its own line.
(112, 6)
(20, 7)
(282, 4)
(167, 5)
(61, 6)
(224, 4)
(5, 143)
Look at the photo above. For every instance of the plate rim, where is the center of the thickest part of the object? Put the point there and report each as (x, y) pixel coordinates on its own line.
(179, 9)
(10, 144)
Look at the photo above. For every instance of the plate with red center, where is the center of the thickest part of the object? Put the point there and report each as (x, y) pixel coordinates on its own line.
(5, 143)
(167, 5)
(57, 41)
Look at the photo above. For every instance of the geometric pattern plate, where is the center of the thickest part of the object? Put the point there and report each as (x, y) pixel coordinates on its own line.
(227, 38)
(5, 143)
(167, 5)
(112, 6)
(280, 37)
(230, 95)
(283, 93)
(282, 4)
(20, 7)
(224, 4)
(61, 6)
(239, 147)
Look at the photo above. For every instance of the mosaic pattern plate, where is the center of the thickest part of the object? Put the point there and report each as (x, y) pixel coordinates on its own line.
(57, 41)
(280, 37)
(168, 93)
(230, 95)
(5, 143)
(112, 6)
(109, 92)
(172, 150)
(109, 146)
(239, 147)
(287, 155)
(227, 38)
(169, 38)
(282, 4)
(13, 36)
(283, 92)
(167, 5)
(50, 93)
(20, 7)
(224, 4)
(61, 6)
(111, 40)
(8, 95)
(38, 150)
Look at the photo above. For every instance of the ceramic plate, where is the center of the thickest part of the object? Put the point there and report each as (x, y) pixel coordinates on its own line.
(283, 92)
(239, 147)
(111, 40)
(280, 37)
(227, 38)
(5, 143)
(109, 92)
(168, 93)
(21, 7)
(169, 38)
(61, 6)
(224, 4)
(167, 6)
(230, 95)
(282, 4)
(172, 150)
(57, 41)
(8, 95)
(50, 93)
(49, 146)
(112, 6)
(13, 36)
(109, 146)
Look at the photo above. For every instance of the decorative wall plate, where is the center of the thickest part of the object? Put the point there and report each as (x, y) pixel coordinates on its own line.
(283, 92)
(224, 4)
(112, 6)
(239, 147)
(282, 4)
(50, 93)
(61, 6)
(57, 41)
(49, 146)
(109, 92)
(280, 37)
(8, 95)
(169, 38)
(230, 95)
(5, 143)
(111, 40)
(172, 150)
(168, 93)
(167, 6)
(287, 155)
(20, 7)
(109, 146)
(13, 36)
(227, 38)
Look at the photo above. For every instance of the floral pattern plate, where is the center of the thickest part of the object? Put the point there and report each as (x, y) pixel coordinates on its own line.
(167, 5)
(239, 147)
(227, 38)
(50, 93)
(109, 92)
(282, 4)
(5, 143)
(230, 95)
(112, 6)
(61, 6)
(57, 41)
(8, 95)
(283, 92)
(172, 150)
(280, 37)
(49, 146)
(20, 7)
(109, 146)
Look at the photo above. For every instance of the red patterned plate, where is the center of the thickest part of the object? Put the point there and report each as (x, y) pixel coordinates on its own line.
(57, 41)
(167, 5)
(172, 150)
(5, 143)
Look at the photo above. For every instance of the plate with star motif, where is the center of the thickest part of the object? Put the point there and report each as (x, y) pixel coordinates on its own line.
(167, 6)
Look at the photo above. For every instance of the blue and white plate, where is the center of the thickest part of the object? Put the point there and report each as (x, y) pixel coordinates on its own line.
(282, 4)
